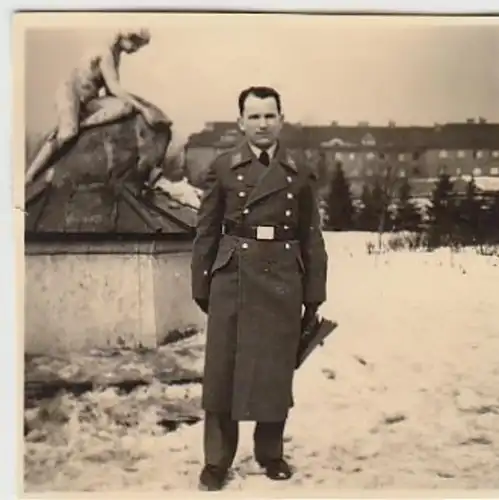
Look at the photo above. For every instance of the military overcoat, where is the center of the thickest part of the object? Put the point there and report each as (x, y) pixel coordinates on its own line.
(256, 288)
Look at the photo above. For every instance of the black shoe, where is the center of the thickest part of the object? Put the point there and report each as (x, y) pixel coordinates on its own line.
(212, 478)
(277, 470)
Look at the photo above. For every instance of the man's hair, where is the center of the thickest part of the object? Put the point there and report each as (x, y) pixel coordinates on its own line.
(262, 93)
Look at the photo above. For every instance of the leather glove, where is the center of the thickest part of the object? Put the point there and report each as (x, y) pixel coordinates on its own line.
(203, 304)
(309, 313)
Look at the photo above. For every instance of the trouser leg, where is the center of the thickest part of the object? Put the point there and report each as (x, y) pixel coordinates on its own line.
(221, 435)
(268, 441)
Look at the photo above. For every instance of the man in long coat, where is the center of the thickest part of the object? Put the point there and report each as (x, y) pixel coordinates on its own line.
(259, 269)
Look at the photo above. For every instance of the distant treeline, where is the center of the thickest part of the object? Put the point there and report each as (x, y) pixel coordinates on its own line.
(448, 218)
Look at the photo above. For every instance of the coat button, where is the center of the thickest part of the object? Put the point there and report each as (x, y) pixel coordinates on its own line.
(290, 196)
(242, 194)
(244, 245)
(240, 177)
(205, 273)
(288, 213)
(246, 211)
(286, 228)
(287, 246)
(289, 179)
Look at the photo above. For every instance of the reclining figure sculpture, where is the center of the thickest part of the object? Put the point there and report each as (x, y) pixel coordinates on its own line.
(104, 130)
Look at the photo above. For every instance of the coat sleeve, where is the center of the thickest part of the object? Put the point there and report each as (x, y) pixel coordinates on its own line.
(313, 248)
(208, 233)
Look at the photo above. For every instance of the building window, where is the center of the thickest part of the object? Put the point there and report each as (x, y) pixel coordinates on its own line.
(369, 172)
(479, 154)
(458, 171)
(228, 138)
(494, 171)
(336, 141)
(402, 173)
(368, 140)
(495, 154)
(401, 157)
(461, 154)
(338, 155)
(416, 156)
(370, 155)
(477, 171)
(352, 156)
(443, 154)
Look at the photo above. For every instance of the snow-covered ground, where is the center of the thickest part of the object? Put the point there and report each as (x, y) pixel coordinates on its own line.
(404, 395)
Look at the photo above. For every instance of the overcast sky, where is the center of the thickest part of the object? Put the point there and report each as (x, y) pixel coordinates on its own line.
(348, 69)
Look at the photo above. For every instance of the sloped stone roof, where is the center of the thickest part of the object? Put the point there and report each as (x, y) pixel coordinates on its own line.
(96, 208)
(96, 188)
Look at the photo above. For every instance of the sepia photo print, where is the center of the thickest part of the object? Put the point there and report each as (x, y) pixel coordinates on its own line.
(261, 252)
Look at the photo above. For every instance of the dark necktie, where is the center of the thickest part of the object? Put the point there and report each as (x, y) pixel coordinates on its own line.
(264, 158)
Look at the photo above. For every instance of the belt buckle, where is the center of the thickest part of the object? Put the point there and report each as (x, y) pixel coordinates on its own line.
(265, 233)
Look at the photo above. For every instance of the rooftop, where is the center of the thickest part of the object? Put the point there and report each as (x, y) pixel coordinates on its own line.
(481, 135)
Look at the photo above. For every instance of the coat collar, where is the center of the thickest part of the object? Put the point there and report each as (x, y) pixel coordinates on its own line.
(243, 155)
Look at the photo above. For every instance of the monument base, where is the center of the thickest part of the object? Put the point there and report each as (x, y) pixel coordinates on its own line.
(83, 295)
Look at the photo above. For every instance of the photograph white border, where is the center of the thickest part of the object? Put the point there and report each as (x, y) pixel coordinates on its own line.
(11, 257)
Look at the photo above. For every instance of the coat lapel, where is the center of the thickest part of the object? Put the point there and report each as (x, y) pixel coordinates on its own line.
(274, 177)
(241, 156)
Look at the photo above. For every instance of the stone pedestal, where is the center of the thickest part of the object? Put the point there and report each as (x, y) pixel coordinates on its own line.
(82, 295)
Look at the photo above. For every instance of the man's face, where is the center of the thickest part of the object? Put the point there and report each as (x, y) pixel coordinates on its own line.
(261, 121)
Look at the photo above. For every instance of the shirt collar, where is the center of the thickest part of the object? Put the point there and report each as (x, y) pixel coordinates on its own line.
(258, 151)
(243, 154)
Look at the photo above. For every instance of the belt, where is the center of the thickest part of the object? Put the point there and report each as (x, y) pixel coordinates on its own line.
(269, 233)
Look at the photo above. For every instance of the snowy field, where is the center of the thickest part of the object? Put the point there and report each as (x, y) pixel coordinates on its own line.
(403, 396)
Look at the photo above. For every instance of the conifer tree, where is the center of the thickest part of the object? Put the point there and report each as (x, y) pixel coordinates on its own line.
(469, 215)
(490, 221)
(340, 209)
(442, 212)
(407, 216)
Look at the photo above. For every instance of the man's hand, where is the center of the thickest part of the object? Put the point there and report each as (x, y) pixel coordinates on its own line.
(203, 304)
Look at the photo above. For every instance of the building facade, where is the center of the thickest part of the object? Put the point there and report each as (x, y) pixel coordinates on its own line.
(365, 151)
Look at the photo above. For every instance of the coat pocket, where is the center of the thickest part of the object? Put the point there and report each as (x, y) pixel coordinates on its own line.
(301, 263)
(223, 258)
